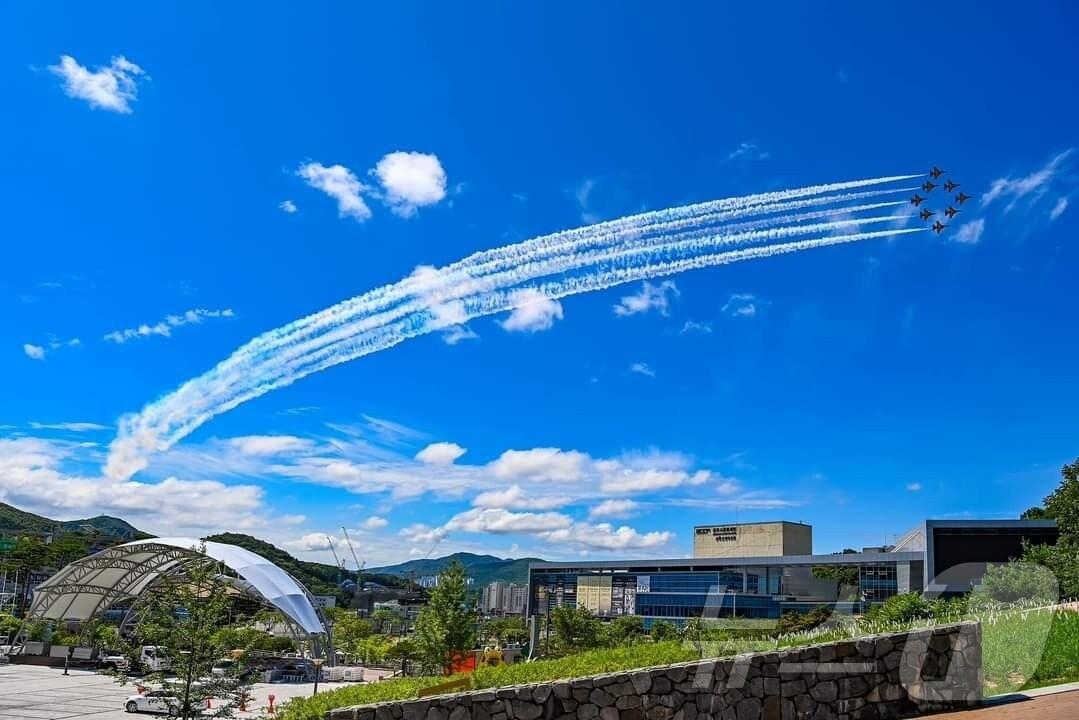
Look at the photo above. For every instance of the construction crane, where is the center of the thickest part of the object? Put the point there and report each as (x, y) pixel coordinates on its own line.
(336, 560)
(359, 566)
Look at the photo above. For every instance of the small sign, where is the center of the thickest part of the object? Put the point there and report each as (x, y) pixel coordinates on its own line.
(644, 583)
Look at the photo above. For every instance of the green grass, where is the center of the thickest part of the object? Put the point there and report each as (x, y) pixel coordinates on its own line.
(1022, 649)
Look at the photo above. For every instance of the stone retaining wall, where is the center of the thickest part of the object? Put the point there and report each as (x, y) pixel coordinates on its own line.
(875, 678)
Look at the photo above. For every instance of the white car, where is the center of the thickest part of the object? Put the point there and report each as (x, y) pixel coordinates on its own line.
(155, 701)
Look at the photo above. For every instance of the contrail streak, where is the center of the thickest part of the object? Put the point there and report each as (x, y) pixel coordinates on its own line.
(582, 260)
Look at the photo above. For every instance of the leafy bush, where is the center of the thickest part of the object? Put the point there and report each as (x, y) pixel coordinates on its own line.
(1016, 581)
(663, 631)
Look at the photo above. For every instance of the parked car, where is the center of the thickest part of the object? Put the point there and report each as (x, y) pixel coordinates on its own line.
(165, 702)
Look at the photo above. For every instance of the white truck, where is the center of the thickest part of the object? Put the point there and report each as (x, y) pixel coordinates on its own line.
(151, 658)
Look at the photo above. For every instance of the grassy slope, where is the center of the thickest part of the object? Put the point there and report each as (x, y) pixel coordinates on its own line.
(1021, 649)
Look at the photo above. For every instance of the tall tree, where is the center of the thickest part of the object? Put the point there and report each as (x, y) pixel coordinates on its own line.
(1061, 505)
(444, 628)
(183, 615)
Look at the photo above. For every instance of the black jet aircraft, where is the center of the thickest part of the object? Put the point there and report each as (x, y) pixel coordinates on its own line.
(936, 172)
(926, 214)
(928, 186)
(962, 197)
(916, 200)
(938, 228)
(949, 186)
(951, 212)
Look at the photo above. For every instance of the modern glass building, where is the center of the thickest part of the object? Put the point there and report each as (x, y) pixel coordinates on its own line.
(941, 557)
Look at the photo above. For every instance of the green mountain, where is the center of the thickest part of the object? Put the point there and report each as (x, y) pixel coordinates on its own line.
(14, 521)
(483, 569)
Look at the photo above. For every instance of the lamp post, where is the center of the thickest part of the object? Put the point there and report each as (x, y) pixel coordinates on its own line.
(318, 672)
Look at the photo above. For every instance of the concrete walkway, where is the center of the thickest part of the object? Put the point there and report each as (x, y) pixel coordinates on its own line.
(1052, 705)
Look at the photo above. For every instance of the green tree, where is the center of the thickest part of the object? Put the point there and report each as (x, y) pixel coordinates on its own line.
(663, 631)
(506, 630)
(405, 652)
(1061, 505)
(30, 554)
(183, 615)
(1017, 580)
(349, 632)
(66, 548)
(575, 629)
(624, 630)
(444, 628)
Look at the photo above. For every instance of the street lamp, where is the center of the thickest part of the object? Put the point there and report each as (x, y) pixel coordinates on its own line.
(318, 671)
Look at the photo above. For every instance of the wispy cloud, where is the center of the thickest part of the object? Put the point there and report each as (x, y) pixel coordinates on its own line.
(583, 194)
(287, 206)
(441, 453)
(342, 185)
(741, 305)
(1030, 187)
(649, 297)
(914, 487)
(693, 326)
(164, 328)
(34, 352)
(614, 508)
(642, 368)
(111, 87)
(970, 233)
(69, 426)
(748, 151)
(458, 333)
(1059, 208)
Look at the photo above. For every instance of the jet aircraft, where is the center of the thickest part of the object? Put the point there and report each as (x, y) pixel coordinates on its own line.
(949, 186)
(936, 172)
(926, 214)
(917, 200)
(938, 228)
(962, 197)
(951, 212)
(928, 186)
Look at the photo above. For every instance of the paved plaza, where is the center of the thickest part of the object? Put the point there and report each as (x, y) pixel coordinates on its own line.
(29, 692)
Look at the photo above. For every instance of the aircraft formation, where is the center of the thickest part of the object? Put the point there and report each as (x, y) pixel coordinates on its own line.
(928, 187)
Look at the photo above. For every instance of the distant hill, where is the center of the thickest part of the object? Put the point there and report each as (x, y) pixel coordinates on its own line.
(483, 569)
(14, 520)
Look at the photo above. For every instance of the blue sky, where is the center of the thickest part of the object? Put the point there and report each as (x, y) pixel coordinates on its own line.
(192, 190)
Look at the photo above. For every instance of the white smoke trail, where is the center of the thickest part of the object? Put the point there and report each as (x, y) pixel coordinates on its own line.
(642, 246)
(656, 221)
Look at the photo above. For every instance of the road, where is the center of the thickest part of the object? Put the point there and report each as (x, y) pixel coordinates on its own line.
(28, 692)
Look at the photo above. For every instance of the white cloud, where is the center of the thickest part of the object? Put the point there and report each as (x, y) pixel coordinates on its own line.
(422, 534)
(914, 487)
(1034, 185)
(1059, 208)
(650, 297)
(583, 193)
(614, 508)
(605, 537)
(642, 368)
(501, 521)
(549, 464)
(374, 523)
(112, 87)
(34, 352)
(410, 180)
(515, 498)
(341, 184)
(269, 444)
(458, 333)
(970, 233)
(32, 478)
(69, 426)
(741, 305)
(311, 542)
(532, 311)
(441, 453)
(727, 486)
(692, 326)
(164, 328)
(287, 206)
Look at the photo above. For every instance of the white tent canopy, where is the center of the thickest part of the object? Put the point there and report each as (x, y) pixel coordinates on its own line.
(94, 583)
